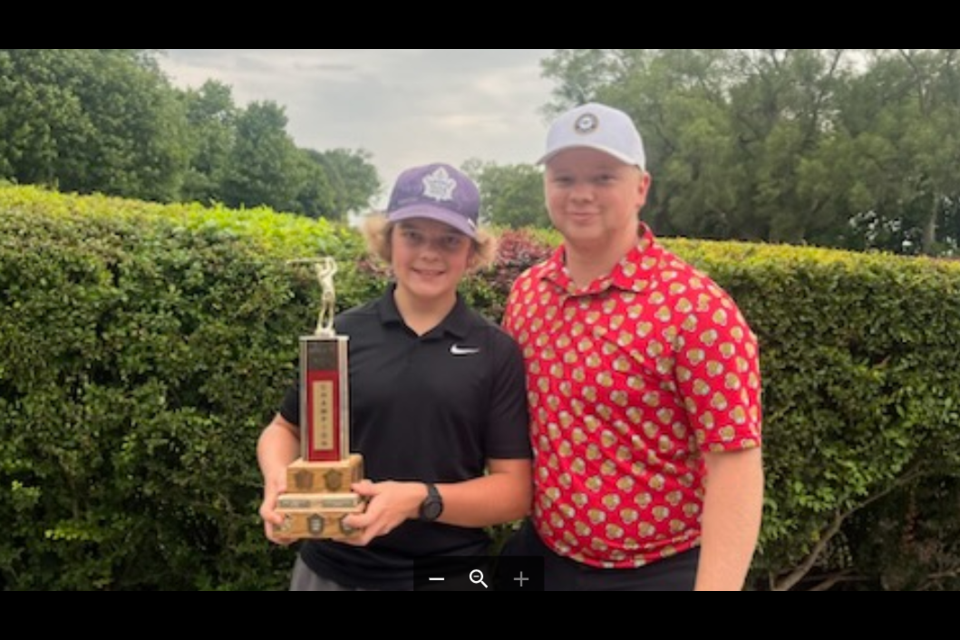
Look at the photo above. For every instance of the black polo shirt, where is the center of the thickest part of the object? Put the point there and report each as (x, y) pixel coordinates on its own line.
(432, 408)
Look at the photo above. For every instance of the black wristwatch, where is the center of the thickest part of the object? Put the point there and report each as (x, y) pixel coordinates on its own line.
(432, 505)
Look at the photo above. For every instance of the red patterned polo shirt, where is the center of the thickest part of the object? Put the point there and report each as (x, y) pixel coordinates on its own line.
(630, 380)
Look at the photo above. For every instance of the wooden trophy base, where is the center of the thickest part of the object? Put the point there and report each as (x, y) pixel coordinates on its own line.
(318, 499)
(319, 523)
(324, 477)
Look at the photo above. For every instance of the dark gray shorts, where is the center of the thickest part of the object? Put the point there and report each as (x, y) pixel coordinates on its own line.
(678, 573)
(304, 579)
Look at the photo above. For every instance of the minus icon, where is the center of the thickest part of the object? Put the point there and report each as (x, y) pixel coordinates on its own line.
(437, 579)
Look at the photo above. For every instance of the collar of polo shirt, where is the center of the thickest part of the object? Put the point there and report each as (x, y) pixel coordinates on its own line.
(647, 248)
(456, 324)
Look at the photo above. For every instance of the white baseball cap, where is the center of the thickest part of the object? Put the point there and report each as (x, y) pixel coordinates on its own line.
(596, 126)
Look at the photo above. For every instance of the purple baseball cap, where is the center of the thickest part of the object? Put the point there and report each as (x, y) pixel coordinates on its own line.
(436, 192)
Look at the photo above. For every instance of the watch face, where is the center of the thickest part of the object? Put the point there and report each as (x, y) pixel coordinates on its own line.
(431, 510)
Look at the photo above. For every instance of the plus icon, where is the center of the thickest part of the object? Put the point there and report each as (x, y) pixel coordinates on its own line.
(521, 579)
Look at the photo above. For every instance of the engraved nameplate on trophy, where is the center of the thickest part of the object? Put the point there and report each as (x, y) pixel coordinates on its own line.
(324, 399)
(318, 483)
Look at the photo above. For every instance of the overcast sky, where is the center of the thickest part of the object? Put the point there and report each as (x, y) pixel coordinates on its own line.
(405, 106)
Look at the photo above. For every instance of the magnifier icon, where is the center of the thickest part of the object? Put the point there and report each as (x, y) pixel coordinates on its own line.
(476, 577)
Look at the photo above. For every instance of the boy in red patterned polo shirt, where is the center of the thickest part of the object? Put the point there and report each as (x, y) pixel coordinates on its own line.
(644, 387)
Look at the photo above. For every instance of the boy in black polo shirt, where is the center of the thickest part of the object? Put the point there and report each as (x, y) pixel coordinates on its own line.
(438, 402)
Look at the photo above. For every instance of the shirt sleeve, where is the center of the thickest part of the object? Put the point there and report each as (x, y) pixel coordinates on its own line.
(290, 407)
(718, 375)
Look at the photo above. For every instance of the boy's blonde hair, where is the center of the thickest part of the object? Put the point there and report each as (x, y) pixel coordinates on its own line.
(378, 232)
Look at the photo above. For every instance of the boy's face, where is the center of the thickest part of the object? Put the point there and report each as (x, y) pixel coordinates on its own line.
(593, 198)
(429, 257)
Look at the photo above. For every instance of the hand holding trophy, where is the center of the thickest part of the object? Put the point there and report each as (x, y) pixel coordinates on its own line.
(319, 481)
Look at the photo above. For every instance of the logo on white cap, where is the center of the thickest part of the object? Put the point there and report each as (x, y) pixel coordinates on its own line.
(587, 123)
(439, 186)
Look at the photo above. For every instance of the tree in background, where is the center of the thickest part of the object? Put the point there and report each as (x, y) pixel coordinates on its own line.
(264, 167)
(352, 179)
(905, 112)
(512, 195)
(726, 132)
(109, 121)
(840, 147)
(90, 120)
(212, 127)
(40, 122)
(226, 151)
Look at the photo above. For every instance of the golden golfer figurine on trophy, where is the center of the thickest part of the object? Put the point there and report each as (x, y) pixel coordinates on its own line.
(318, 483)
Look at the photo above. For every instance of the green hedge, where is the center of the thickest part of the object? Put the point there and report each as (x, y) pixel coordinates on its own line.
(143, 348)
(861, 389)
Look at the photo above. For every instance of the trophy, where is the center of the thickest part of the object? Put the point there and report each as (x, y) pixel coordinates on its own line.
(318, 495)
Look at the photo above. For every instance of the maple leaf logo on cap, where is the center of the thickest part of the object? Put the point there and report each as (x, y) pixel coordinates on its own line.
(439, 186)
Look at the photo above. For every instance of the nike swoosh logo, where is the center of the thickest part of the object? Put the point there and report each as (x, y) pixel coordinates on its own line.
(457, 350)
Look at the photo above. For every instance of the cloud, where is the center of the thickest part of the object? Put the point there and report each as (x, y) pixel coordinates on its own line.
(404, 106)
